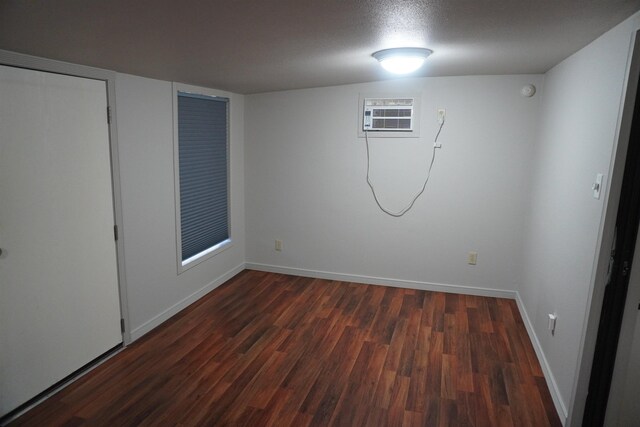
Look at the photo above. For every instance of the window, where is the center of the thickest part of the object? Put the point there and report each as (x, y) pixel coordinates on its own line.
(202, 181)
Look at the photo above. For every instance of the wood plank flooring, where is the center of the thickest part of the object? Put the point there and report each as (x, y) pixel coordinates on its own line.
(268, 349)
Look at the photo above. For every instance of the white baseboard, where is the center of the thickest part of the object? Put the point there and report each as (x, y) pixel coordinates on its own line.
(398, 283)
(184, 303)
(561, 408)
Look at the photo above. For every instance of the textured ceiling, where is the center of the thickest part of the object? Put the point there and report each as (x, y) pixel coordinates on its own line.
(250, 46)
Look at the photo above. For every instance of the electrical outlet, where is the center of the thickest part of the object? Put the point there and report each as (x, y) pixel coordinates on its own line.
(472, 258)
(278, 245)
(441, 114)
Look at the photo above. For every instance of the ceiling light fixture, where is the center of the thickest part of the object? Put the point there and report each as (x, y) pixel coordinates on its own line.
(402, 60)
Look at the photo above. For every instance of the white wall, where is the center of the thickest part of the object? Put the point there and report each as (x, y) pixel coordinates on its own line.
(305, 183)
(145, 137)
(578, 131)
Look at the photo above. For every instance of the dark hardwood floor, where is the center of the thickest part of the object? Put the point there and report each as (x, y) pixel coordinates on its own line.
(271, 349)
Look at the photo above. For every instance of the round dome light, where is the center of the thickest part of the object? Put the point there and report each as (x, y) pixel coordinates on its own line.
(402, 60)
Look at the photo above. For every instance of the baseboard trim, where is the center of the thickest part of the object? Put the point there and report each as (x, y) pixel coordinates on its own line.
(561, 408)
(184, 303)
(371, 280)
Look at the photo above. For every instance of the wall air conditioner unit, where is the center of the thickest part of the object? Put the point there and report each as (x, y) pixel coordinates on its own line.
(391, 116)
(388, 114)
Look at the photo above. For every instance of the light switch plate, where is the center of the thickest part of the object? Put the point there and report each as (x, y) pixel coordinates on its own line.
(597, 186)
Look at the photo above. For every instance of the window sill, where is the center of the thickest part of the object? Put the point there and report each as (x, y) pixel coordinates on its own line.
(204, 255)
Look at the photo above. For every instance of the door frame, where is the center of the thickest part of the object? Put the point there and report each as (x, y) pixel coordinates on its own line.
(109, 77)
(615, 294)
(606, 234)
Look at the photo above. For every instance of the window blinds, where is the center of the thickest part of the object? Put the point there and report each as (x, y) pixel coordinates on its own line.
(203, 169)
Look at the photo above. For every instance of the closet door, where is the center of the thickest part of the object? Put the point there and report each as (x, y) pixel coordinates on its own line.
(59, 301)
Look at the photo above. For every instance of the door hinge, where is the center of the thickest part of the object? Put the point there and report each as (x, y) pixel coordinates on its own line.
(108, 114)
(121, 325)
(115, 232)
(609, 269)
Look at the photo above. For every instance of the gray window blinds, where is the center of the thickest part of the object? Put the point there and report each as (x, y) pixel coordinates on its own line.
(203, 170)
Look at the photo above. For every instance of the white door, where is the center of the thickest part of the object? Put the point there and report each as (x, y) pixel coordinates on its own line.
(59, 301)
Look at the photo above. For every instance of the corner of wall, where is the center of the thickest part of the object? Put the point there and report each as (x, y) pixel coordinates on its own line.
(183, 303)
(561, 407)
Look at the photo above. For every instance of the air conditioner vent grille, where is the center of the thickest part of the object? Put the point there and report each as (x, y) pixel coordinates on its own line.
(392, 112)
(384, 102)
(392, 124)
